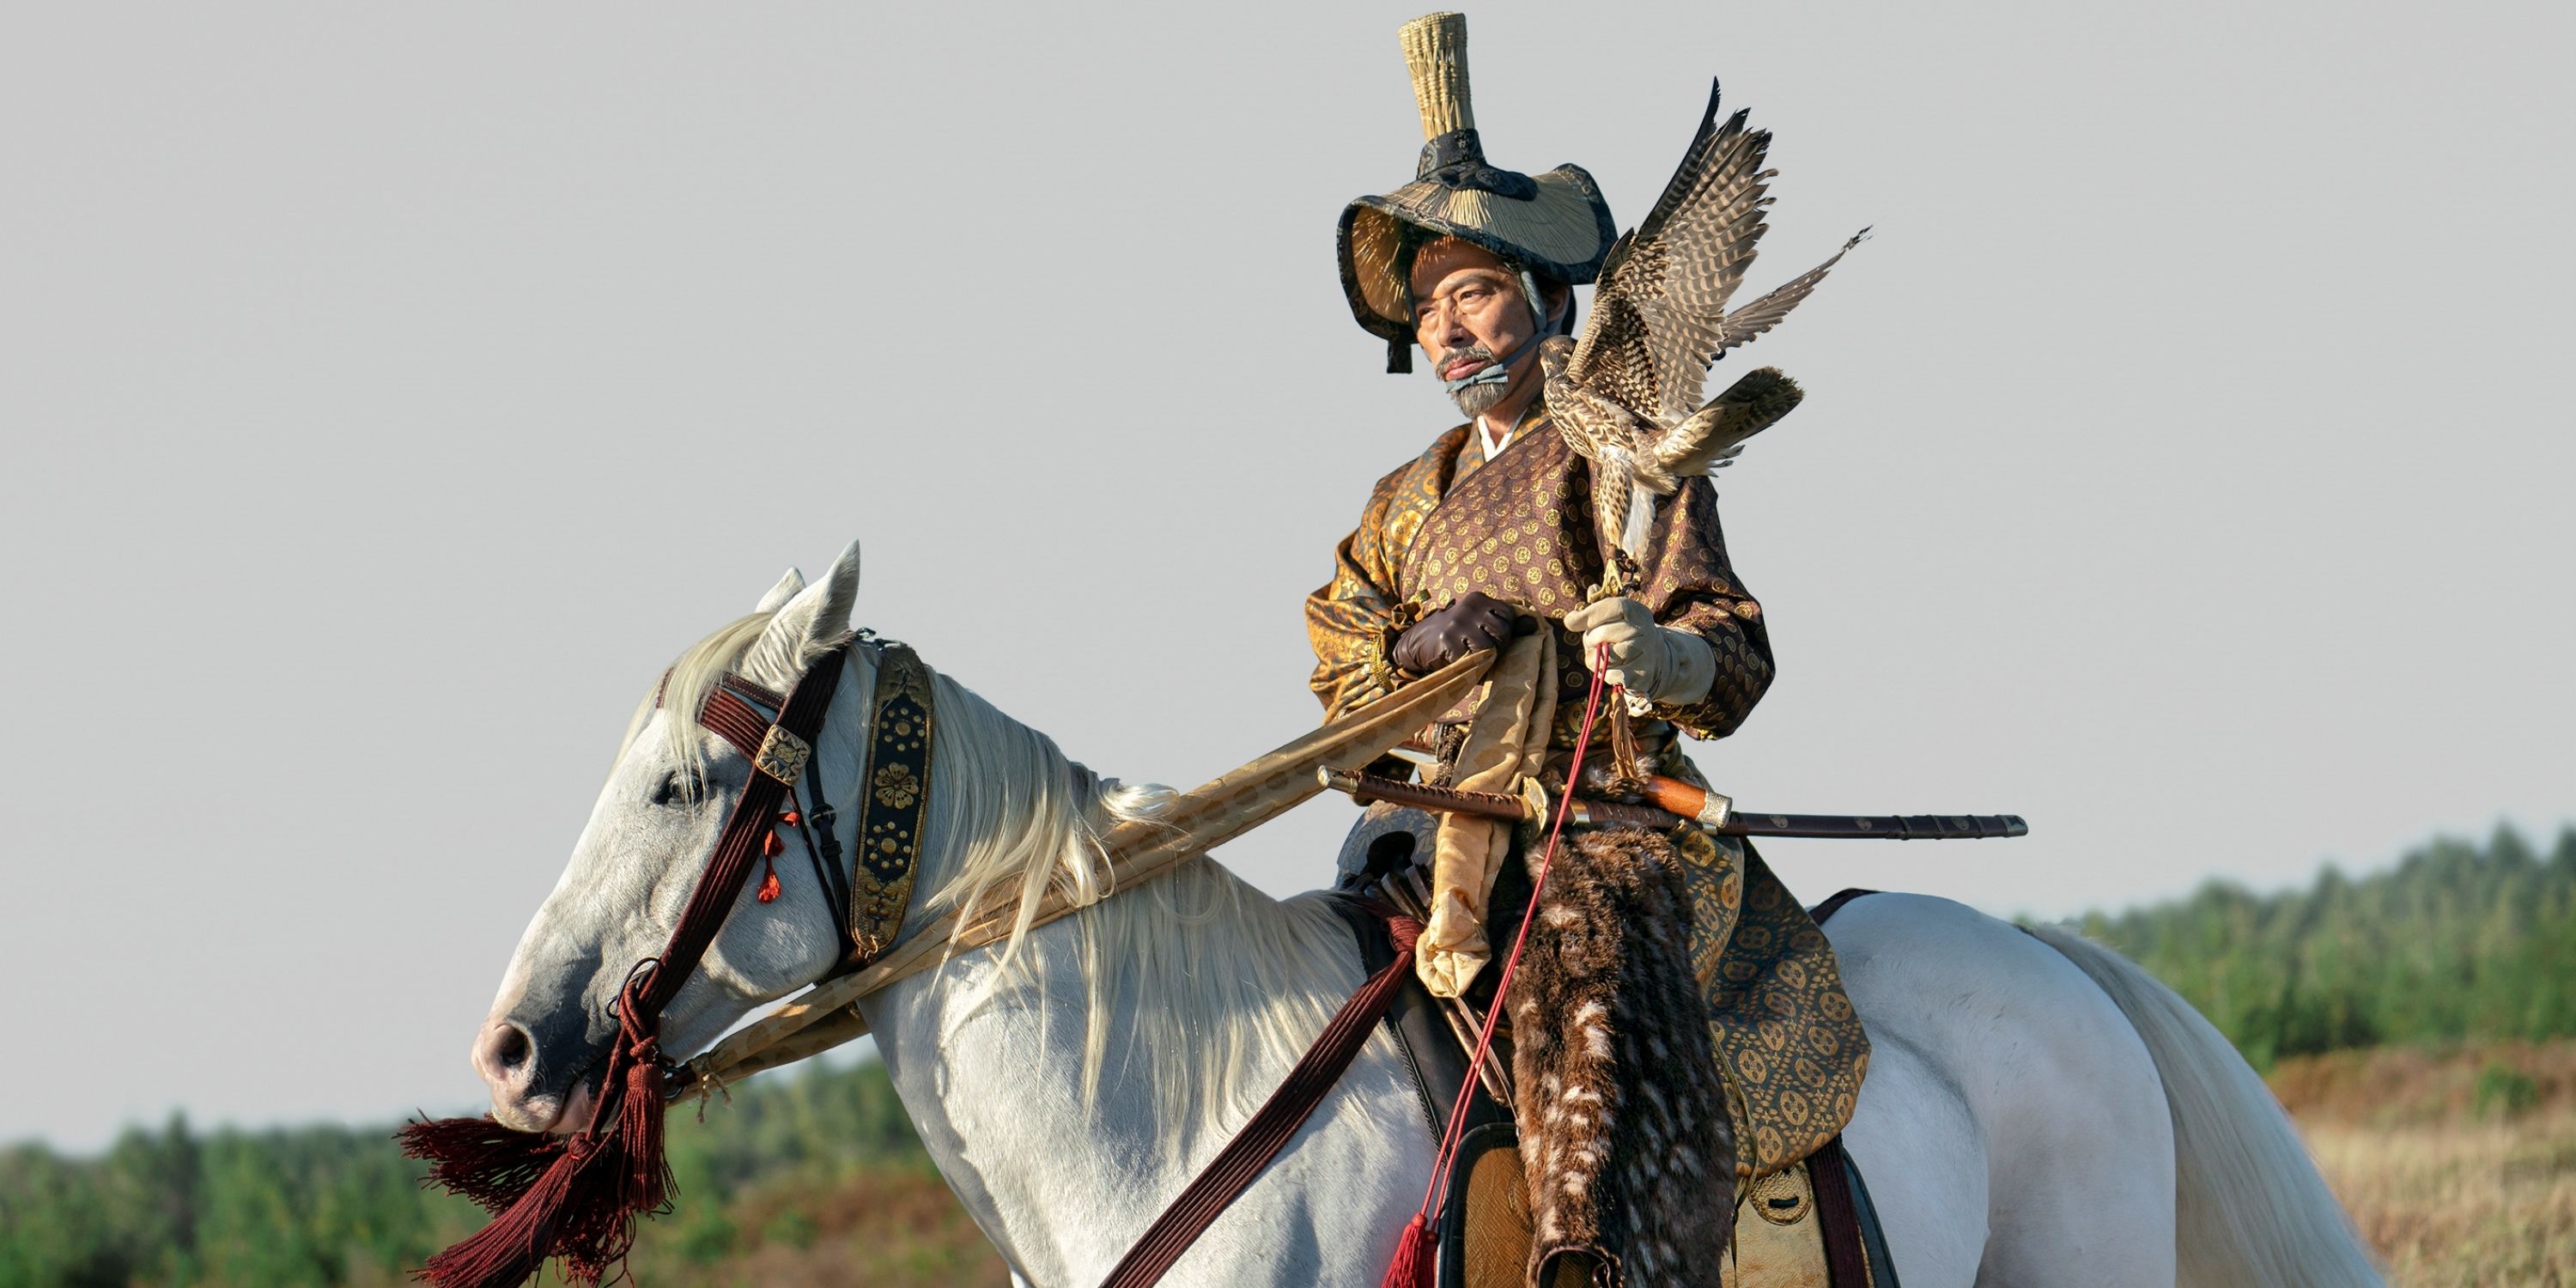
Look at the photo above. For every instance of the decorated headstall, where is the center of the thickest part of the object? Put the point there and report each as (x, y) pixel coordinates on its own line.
(577, 1197)
(869, 899)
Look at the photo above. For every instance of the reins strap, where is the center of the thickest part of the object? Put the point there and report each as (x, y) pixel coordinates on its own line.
(778, 752)
(823, 845)
(1233, 1169)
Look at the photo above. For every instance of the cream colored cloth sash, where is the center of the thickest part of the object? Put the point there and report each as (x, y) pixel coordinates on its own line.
(1506, 741)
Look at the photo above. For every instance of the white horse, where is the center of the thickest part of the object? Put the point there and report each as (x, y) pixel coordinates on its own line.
(2038, 1112)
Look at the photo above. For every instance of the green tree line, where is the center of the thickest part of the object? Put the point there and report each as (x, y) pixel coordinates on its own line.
(2457, 943)
(337, 1205)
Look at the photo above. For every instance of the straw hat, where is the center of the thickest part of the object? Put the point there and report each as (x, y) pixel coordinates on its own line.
(1554, 224)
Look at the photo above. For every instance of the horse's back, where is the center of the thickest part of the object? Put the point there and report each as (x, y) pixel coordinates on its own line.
(2013, 1128)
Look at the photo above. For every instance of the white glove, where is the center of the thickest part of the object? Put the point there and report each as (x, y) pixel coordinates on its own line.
(1656, 663)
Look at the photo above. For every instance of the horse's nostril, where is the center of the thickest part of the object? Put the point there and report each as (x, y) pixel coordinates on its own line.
(510, 1047)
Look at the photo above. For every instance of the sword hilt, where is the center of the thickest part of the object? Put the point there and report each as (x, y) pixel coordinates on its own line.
(1365, 789)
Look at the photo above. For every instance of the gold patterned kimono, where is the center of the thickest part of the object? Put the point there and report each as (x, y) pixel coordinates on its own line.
(1519, 528)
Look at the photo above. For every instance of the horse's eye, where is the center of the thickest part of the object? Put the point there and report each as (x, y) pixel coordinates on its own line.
(673, 791)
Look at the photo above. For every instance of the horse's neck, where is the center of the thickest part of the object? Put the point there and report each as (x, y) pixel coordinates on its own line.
(1192, 995)
(994, 1080)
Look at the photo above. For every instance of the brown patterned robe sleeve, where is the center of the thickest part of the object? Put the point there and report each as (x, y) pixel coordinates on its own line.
(1689, 586)
(1352, 620)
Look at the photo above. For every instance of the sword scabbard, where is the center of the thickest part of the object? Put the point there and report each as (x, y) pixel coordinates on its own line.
(1670, 803)
(1878, 827)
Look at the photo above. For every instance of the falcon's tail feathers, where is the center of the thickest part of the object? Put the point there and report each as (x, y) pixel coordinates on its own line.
(1715, 434)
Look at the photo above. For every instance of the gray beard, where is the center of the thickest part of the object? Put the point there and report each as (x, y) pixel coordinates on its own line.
(1476, 400)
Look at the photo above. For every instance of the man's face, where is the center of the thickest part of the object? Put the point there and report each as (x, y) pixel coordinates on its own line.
(1468, 312)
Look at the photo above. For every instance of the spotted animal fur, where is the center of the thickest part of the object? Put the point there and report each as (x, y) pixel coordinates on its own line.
(1622, 1115)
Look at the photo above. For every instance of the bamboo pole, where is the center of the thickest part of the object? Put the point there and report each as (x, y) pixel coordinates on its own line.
(1217, 811)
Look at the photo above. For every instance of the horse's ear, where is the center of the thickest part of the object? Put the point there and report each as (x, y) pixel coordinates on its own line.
(782, 592)
(811, 620)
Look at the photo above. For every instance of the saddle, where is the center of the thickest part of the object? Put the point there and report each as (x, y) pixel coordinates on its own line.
(1805, 1221)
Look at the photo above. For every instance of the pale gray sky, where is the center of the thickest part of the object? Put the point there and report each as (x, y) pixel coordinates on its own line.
(391, 392)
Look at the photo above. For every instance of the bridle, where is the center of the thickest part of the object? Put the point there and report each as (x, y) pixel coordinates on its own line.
(577, 1196)
(867, 897)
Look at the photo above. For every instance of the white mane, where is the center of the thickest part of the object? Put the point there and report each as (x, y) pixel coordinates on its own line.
(1219, 972)
(1212, 964)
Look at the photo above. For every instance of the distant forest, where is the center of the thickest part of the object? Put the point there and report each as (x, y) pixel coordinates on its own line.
(336, 1205)
(2457, 943)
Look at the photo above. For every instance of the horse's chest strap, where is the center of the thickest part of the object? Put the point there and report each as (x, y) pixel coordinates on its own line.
(1233, 1170)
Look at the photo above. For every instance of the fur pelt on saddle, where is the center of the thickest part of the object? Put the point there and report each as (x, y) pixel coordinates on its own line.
(1621, 1113)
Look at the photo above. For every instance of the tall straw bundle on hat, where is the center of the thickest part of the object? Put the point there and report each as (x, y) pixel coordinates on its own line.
(1554, 224)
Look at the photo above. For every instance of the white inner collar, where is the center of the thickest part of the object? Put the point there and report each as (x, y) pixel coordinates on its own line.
(1495, 443)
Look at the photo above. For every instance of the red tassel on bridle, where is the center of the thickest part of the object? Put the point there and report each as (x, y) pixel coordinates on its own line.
(770, 849)
(575, 1197)
(578, 1197)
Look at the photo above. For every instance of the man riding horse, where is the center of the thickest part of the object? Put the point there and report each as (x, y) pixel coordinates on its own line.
(1489, 537)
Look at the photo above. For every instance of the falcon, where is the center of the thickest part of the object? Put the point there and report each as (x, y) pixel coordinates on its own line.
(1626, 393)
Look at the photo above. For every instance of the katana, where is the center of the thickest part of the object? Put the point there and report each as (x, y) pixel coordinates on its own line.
(1672, 803)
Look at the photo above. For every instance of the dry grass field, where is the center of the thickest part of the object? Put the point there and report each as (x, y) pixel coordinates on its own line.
(895, 1228)
(2459, 1168)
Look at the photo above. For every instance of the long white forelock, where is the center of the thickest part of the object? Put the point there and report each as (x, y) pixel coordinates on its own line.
(1537, 302)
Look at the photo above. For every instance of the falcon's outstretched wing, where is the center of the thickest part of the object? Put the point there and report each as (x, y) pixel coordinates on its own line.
(1659, 314)
(1765, 313)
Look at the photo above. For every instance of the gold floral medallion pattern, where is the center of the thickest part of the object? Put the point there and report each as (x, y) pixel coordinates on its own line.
(1788, 1041)
(890, 824)
(896, 787)
(1520, 529)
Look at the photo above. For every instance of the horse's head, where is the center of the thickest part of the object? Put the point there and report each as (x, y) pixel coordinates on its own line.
(649, 837)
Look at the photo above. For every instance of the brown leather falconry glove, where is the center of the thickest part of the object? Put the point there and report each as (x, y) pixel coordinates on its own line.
(1464, 625)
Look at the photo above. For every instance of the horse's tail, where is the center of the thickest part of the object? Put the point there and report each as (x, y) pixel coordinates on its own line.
(2249, 1206)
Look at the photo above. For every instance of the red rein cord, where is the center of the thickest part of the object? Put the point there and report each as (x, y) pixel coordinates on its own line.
(1413, 1254)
